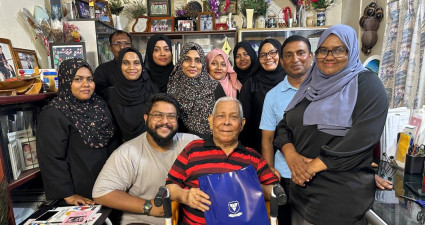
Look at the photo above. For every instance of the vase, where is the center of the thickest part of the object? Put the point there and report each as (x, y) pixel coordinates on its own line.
(129, 26)
(321, 17)
(249, 15)
(118, 23)
(301, 16)
(260, 22)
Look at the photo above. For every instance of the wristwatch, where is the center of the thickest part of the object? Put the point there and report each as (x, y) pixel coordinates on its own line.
(147, 207)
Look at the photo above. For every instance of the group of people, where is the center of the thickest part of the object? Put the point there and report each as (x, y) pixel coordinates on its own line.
(309, 121)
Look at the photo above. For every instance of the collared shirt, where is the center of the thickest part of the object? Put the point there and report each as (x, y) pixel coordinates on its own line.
(275, 103)
(204, 157)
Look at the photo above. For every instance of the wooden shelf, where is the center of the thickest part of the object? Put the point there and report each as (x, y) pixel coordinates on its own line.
(25, 176)
(7, 100)
(173, 34)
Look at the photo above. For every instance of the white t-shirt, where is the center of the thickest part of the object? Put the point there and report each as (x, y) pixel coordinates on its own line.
(138, 169)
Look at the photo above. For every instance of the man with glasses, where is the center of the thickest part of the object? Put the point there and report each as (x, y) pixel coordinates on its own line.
(104, 75)
(296, 60)
(132, 175)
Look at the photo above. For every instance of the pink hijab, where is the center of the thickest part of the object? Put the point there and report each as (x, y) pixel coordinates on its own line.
(230, 83)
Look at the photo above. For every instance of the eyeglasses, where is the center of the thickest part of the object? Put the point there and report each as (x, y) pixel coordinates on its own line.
(298, 54)
(157, 116)
(337, 52)
(121, 43)
(271, 53)
(79, 79)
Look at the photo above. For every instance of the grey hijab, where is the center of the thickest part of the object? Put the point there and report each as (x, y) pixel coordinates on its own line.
(332, 97)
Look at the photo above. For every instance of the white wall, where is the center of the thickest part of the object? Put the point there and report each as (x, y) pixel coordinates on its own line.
(17, 30)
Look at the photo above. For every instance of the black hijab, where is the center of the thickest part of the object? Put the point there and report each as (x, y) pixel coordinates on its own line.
(91, 117)
(265, 80)
(243, 75)
(127, 100)
(159, 74)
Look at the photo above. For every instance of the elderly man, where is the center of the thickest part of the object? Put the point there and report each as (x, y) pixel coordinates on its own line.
(220, 153)
(132, 175)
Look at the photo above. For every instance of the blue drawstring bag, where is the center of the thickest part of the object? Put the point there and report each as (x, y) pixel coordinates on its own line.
(236, 197)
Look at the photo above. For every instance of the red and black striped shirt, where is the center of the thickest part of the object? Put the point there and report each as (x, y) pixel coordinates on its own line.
(203, 157)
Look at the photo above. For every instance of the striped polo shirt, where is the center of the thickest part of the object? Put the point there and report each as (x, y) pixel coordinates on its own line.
(203, 157)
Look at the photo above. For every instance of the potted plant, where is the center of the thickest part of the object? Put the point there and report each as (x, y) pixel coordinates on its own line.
(116, 7)
(256, 7)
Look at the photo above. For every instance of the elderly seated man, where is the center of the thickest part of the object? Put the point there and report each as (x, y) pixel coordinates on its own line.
(220, 153)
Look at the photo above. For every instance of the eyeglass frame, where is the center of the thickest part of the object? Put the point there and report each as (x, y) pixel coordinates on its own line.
(274, 52)
(331, 51)
(124, 43)
(167, 115)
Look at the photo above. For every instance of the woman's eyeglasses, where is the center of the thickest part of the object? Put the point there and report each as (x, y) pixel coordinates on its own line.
(337, 52)
(271, 53)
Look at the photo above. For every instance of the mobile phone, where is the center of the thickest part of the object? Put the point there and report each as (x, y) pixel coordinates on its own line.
(45, 217)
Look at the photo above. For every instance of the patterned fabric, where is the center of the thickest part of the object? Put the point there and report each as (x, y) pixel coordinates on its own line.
(230, 82)
(204, 157)
(91, 117)
(195, 95)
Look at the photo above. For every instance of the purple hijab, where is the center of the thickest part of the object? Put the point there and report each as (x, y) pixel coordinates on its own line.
(332, 97)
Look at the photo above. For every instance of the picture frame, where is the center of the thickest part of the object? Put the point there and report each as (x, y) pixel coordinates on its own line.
(159, 8)
(104, 12)
(141, 24)
(161, 24)
(26, 59)
(27, 149)
(62, 51)
(8, 64)
(56, 9)
(184, 24)
(206, 21)
(83, 9)
(15, 159)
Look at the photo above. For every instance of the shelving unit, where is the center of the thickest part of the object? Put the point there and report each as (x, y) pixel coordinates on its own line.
(8, 104)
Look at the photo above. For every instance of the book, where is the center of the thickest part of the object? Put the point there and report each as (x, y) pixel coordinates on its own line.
(59, 215)
(77, 217)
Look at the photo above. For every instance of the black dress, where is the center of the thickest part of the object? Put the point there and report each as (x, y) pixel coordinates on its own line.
(69, 165)
(105, 76)
(345, 191)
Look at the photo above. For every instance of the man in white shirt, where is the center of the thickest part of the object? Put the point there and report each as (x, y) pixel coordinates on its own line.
(132, 175)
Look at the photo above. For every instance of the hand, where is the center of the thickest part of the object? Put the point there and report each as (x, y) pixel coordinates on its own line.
(298, 165)
(276, 173)
(156, 211)
(383, 184)
(196, 199)
(78, 200)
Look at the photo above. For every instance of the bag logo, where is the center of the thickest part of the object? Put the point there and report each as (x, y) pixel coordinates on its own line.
(234, 209)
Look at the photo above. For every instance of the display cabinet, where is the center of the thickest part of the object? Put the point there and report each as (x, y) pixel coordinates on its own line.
(256, 36)
(208, 40)
(17, 117)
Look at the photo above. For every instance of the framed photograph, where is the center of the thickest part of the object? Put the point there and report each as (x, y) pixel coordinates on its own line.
(83, 9)
(27, 148)
(56, 9)
(206, 21)
(141, 24)
(8, 62)
(62, 51)
(104, 13)
(15, 159)
(159, 7)
(26, 59)
(162, 24)
(184, 24)
(230, 9)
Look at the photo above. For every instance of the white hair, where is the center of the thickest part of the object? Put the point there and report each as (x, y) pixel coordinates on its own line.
(223, 99)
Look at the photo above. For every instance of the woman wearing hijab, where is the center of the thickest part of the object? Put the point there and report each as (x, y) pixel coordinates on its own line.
(219, 69)
(329, 131)
(158, 61)
(128, 96)
(254, 90)
(75, 136)
(246, 63)
(195, 91)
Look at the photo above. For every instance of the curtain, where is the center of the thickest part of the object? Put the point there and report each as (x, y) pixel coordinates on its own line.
(402, 67)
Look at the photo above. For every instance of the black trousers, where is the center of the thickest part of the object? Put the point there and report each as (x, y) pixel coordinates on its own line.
(284, 213)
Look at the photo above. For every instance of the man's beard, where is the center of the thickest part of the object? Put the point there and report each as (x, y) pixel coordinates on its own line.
(162, 142)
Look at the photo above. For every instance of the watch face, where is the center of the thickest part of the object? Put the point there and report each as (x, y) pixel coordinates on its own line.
(140, 25)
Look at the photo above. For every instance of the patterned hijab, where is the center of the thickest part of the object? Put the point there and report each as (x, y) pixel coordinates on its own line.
(230, 82)
(159, 74)
(243, 75)
(91, 117)
(332, 97)
(195, 95)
